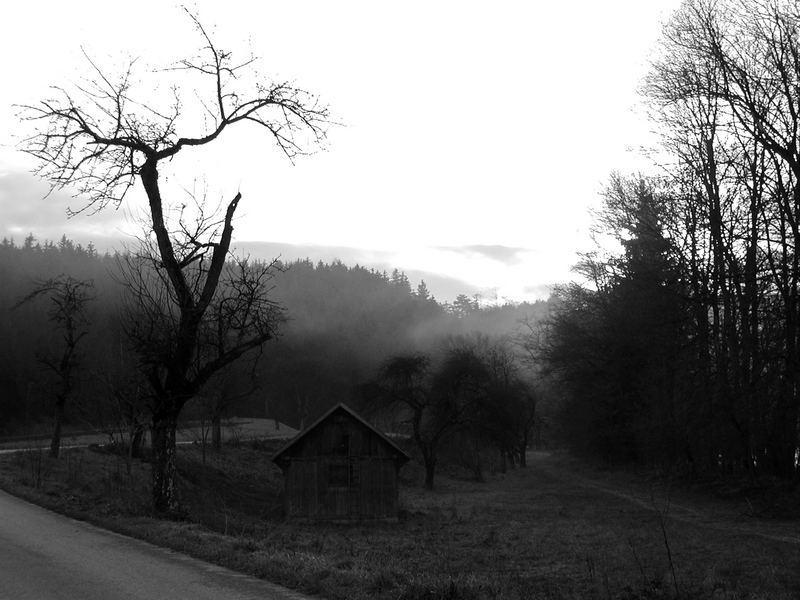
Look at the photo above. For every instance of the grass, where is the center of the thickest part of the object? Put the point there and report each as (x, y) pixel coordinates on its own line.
(551, 531)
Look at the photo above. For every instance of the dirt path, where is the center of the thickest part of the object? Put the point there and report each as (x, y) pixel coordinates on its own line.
(722, 518)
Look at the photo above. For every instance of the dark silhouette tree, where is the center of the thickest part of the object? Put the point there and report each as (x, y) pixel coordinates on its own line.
(68, 299)
(615, 346)
(228, 386)
(460, 387)
(99, 141)
(404, 381)
(725, 95)
(435, 402)
(240, 317)
(506, 412)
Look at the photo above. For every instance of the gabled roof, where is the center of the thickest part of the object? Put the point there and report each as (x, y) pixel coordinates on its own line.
(324, 417)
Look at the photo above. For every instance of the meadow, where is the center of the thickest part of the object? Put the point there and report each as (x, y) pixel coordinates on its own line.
(557, 529)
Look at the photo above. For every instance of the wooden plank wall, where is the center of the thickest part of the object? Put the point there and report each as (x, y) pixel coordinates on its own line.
(369, 490)
(341, 471)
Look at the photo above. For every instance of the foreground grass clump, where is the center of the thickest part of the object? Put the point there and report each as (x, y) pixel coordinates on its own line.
(542, 532)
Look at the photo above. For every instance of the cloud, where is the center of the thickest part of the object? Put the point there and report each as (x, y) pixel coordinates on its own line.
(509, 255)
(447, 270)
(26, 207)
(539, 290)
(313, 252)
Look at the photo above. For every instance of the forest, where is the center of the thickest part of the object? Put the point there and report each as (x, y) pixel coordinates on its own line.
(340, 333)
(683, 349)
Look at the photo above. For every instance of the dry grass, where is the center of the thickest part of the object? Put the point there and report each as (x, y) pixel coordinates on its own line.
(541, 532)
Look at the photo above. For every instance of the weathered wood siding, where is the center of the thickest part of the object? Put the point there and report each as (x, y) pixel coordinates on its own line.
(341, 470)
(314, 488)
(324, 440)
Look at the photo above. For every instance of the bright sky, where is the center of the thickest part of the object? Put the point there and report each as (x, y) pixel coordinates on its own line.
(475, 135)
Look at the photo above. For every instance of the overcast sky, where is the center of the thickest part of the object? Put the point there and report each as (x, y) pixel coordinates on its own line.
(474, 137)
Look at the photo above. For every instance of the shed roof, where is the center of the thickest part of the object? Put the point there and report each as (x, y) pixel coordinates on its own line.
(349, 411)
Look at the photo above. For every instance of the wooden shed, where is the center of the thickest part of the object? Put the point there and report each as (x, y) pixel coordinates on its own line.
(340, 469)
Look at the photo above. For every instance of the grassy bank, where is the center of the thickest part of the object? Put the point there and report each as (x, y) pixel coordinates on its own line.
(542, 532)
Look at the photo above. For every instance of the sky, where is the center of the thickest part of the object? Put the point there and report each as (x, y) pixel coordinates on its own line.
(472, 138)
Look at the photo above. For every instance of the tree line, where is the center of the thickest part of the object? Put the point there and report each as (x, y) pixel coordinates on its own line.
(338, 326)
(684, 348)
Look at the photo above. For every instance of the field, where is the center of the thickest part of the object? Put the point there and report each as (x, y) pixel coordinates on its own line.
(554, 530)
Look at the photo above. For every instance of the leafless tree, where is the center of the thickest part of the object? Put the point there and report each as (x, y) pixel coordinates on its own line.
(68, 299)
(240, 318)
(235, 382)
(435, 402)
(98, 140)
(403, 381)
(123, 411)
(726, 93)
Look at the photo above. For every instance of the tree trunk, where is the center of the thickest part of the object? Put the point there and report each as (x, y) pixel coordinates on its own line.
(429, 458)
(511, 457)
(523, 460)
(430, 468)
(58, 419)
(216, 433)
(478, 465)
(136, 440)
(165, 498)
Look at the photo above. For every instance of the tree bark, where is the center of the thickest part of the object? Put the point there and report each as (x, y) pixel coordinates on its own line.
(523, 460)
(136, 441)
(429, 459)
(478, 464)
(58, 419)
(430, 470)
(165, 497)
(216, 433)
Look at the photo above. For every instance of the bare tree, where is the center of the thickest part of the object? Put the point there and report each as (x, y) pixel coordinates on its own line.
(403, 381)
(68, 298)
(98, 140)
(507, 414)
(240, 318)
(436, 402)
(230, 385)
(123, 411)
(726, 92)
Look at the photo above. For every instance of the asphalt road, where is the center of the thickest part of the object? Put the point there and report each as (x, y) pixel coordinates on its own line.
(45, 556)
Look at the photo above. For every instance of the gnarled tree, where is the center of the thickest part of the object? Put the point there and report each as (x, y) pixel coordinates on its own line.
(97, 140)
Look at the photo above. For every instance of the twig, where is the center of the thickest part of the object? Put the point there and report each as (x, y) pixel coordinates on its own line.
(662, 523)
